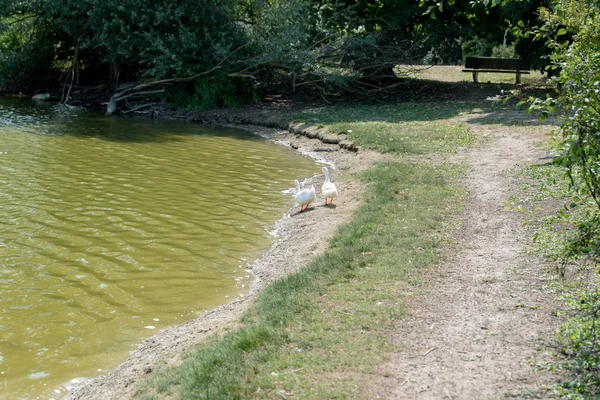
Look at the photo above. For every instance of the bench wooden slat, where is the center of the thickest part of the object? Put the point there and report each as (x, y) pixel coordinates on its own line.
(476, 65)
(501, 71)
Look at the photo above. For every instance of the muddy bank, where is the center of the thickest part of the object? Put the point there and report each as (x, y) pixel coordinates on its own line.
(299, 238)
(276, 120)
(268, 121)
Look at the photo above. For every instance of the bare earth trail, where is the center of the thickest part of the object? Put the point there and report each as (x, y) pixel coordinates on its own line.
(482, 316)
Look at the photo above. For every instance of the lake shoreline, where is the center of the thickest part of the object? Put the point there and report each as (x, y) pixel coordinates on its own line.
(298, 239)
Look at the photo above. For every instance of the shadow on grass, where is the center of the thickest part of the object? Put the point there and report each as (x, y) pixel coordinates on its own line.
(510, 116)
(423, 100)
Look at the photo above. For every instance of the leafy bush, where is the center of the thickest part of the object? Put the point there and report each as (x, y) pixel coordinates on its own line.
(579, 98)
(580, 79)
(476, 47)
(162, 38)
(482, 47)
(215, 91)
(25, 63)
(504, 51)
(579, 338)
(571, 29)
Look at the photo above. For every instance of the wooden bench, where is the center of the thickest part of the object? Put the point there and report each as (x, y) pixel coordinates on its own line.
(494, 64)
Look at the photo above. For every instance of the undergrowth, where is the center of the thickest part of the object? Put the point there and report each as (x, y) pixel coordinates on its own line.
(212, 92)
(566, 231)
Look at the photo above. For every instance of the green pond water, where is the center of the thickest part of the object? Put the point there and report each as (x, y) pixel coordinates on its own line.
(114, 228)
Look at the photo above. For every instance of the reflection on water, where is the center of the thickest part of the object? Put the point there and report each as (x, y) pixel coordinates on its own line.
(113, 228)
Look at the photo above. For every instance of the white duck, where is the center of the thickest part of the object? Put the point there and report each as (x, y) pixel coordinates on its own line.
(328, 189)
(304, 196)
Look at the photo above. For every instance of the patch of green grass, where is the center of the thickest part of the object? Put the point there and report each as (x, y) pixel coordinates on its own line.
(413, 138)
(410, 128)
(320, 332)
(393, 113)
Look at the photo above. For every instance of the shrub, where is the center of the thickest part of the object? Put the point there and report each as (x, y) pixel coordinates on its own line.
(579, 338)
(26, 60)
(572, 31)
(476, 47)
(215, 91)
(504, 51)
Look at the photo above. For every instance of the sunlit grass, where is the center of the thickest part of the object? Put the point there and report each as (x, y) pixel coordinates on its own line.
(411, 128)
(453, 73)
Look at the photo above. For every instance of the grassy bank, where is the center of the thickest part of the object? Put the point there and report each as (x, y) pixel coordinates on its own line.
(402, 128)
(321, 332)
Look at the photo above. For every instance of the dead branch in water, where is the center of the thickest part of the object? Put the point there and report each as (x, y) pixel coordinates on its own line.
(140, 107)
(131, 90)
(139, 89)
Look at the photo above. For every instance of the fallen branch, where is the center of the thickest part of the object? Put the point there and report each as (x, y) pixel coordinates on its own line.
(66, 98)
(141, 106)
(133, 89)
(112, 104)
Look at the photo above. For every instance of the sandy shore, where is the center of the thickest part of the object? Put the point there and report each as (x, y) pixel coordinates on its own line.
(300, 237)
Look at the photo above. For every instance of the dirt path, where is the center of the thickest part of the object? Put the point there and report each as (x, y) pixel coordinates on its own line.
(481, 318)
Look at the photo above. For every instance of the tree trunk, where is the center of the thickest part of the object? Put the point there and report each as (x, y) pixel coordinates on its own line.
(115, 71)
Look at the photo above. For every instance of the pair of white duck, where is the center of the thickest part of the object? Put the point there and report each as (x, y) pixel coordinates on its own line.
(306, 196)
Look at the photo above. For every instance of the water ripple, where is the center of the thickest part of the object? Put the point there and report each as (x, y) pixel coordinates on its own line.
(108, 224)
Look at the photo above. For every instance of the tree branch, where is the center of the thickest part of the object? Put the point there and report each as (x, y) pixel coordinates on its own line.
(112, 104)
(146, 105)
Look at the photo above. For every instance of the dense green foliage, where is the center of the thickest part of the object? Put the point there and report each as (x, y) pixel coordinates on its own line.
(217, 91)
(485, 28)
(579, 99)
(320, 44)
(158, 39)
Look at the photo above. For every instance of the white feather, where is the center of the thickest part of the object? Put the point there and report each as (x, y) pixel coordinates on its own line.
(328, 189)
(304, 196)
